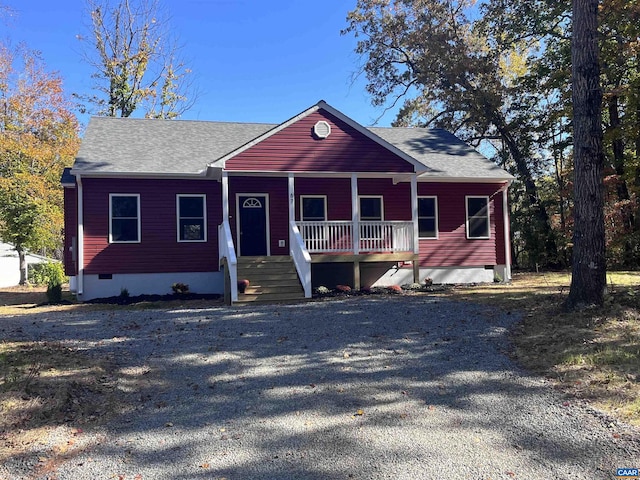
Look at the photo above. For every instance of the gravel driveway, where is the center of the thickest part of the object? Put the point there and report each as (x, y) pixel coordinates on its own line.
(393, 387)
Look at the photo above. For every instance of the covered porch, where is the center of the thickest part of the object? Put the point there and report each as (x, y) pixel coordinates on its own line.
(360, 234)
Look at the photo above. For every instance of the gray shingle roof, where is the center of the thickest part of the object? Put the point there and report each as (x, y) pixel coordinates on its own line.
(444, 154)
(130, 145)
(147, 146)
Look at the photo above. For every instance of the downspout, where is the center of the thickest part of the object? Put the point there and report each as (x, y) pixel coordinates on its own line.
(507, 233)
(80, 237)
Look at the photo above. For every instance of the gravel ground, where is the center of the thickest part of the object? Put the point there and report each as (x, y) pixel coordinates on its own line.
(394, 387)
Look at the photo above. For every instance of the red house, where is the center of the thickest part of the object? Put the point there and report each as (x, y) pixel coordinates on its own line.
(316, 200)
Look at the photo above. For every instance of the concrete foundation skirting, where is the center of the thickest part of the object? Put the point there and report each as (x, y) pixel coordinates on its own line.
(150, 283)
(439, 275)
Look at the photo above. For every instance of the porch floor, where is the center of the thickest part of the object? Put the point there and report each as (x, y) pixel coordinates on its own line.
(363, 257)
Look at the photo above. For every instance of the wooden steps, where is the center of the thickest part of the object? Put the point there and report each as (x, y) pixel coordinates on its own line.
(271, 279)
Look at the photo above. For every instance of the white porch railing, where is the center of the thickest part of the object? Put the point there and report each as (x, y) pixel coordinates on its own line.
(334, 237)
(227, 251)
(337, 236)
(301, 258)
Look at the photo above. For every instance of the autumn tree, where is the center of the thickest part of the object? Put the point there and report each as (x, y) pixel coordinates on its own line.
(547, 23)
(137, 64)
(450, 72)
(588, 279)
(38, 138)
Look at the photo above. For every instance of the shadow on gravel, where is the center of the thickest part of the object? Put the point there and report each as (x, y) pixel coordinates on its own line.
(302, 389)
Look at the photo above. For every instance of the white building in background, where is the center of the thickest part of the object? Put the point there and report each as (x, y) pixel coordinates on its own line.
(10, 264)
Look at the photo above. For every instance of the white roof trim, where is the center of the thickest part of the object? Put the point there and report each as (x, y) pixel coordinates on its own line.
(221, 162)
(309, 174)
(418, 167)
(433, 179)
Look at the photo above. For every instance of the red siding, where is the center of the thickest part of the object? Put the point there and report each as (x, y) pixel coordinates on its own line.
(452, 248)
(277, 189)
(295, 149)
(396, 198)
(159, 250)
(337, 190)
(70, 230)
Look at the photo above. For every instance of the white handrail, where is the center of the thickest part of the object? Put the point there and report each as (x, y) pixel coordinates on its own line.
(373, 236)
(228, 251)
(301, 258)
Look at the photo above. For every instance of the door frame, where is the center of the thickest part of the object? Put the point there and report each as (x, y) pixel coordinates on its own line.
(267, 219)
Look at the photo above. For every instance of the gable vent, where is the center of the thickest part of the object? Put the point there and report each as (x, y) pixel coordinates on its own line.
(322, 129)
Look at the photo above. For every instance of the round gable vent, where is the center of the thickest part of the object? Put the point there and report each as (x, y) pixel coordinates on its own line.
(322, 129)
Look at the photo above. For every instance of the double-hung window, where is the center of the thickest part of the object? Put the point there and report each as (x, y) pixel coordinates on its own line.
(313, 208)
(124, 218)
(371, 210)
(191, 213)
(477, 217)
(427, 217)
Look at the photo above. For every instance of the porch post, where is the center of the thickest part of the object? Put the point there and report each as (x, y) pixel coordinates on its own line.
(416, 232)
(355, 214)
(292, 198)
(355, 217)
(414, 212)
(225, 197)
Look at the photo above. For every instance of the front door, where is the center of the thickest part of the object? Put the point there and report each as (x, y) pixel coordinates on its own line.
(252, 225)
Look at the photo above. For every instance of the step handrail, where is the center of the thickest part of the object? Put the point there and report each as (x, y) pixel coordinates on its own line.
(301, 258)
(228, 251)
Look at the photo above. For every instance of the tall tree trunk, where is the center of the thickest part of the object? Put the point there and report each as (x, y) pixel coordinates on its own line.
(588, 279)
(22, 261)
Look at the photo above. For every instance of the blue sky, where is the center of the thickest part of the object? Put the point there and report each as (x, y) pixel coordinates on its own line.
(254, 60)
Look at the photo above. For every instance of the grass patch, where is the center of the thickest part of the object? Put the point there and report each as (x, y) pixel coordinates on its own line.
(43, 385)
(593, 354)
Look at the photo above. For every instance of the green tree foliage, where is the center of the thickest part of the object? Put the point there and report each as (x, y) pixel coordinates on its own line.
(451, 72)
(135, 61)
(38, 138)
(499, 72)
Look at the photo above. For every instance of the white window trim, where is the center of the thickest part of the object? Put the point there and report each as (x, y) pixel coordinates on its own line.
(466, 208)
(381, 208)
(323, 197)
(111, 195)
(435, 198)
(204, 218)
